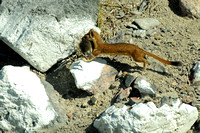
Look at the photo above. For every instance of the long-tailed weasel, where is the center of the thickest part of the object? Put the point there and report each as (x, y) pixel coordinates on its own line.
(93, 44)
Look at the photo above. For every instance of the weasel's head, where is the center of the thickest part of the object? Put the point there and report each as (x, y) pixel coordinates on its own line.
(93, 34)
(85, 44)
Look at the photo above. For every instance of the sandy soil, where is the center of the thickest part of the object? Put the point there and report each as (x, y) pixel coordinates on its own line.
(177, 38)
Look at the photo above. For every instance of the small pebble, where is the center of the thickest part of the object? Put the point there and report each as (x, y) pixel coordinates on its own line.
(121, 14)
(188, 99)
(157, 43)
(174, 96)
(136, 12)
(158, 37)
(147, 23)
(164, 100)
(93, 100)
(84, 104)
(133, 100)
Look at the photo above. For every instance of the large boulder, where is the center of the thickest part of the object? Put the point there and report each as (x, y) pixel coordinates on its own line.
(147, 118)
(43, 32)
(24, 104)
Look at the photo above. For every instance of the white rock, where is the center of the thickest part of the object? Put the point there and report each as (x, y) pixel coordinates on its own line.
(92, 76)
(196, 70)
(43, 32)
(147, 118)
(143, 86)
(24, 105)
(147, 23)
(86, 73)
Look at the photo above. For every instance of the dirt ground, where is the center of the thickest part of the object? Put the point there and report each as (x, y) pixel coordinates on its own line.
(177, 38)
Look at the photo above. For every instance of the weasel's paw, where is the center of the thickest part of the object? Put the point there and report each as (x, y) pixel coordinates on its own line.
(86, 60)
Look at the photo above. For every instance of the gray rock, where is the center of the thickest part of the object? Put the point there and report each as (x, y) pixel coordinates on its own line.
(42, 32)
(190, 8)
(143, 86)
(94, 76)
(159, 67)
(147, 23)
(164, 100)
(121, 14)
(93, 100)
(129, 80)
(139, 33)
(24, 104)
(147, 118)
(174, 96)
(196, 70)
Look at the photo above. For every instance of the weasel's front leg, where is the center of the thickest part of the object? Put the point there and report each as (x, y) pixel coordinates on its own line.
(92, 53)
(92, 56)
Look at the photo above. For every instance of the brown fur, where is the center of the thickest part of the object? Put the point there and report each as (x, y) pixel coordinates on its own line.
(138, 54)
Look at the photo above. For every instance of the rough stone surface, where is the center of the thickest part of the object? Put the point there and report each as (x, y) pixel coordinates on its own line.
(94, 76)
(146, 23)
(147, 118)
(24, 104)
(43, 32)
(190, 8)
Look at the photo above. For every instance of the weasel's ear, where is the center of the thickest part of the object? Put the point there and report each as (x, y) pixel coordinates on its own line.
(91, 33)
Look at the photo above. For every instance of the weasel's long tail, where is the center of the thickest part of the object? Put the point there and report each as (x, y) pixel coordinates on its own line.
(174, 63)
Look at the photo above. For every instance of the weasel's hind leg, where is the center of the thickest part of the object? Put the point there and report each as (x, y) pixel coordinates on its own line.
(141, 59)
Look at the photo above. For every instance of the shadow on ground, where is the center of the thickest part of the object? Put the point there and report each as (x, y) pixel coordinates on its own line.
(174, 6)
(64, 84)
